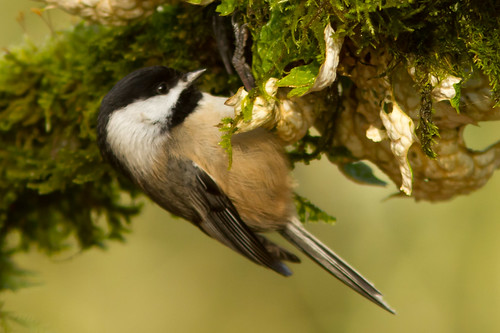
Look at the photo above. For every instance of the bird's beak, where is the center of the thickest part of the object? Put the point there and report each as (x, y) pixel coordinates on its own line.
(193, 76)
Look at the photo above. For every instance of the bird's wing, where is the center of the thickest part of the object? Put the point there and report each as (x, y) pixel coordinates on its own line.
(220, 220)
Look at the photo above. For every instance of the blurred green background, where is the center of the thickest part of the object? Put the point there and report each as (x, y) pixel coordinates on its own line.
(438, 265)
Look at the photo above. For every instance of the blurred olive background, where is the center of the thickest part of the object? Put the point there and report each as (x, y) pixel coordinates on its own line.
(438, 265)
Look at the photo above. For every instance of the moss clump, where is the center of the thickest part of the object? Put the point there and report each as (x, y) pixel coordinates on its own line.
(447, 37)
(54, 187)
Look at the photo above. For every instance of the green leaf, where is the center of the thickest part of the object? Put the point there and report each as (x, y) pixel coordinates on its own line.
(300, 78)
(308, 212)
(361, 172)
(227, 7)
(455, 101)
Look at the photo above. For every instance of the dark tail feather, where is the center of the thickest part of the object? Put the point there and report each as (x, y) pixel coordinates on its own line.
(310, 245)
(277, 251)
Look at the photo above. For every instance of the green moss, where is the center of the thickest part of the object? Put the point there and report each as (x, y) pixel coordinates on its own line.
(53, 184)
(228, 129)
(437, 38)
(427, 131)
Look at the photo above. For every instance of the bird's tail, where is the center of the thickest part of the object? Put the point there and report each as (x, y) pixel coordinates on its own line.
(310, 245)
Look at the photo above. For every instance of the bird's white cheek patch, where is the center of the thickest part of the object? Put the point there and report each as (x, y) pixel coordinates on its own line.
(134, 139)
(154, 110)
(136, 133)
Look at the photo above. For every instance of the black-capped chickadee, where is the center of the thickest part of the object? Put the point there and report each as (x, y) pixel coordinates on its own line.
(158, 129)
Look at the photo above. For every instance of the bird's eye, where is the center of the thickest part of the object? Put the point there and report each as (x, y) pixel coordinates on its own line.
(161, 88)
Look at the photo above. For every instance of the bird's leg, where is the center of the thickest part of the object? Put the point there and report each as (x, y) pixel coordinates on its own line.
(239, 62)
(238, 59)
(222, 39)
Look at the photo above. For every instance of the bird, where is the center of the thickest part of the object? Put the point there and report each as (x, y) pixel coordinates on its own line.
(159, 130)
